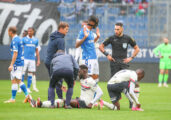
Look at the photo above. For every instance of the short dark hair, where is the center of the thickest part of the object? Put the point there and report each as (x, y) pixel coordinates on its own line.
(94, 19)
(119, 24)
(63, 25)
(32, 28)
(83, 67)
(13, 29)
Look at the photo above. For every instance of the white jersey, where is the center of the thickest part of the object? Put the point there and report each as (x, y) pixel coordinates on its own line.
(123, 75)
(88, 88)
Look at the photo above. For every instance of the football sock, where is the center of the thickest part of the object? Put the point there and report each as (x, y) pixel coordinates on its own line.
(22, 78)
(69, 95)
(166, 78)
(29, 80)
(110, 106)
(23, 88)
(51, 95)
(14, 88)
(34, 81)
(160, 78)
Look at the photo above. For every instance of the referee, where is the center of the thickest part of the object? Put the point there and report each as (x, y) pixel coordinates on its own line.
(119, 43)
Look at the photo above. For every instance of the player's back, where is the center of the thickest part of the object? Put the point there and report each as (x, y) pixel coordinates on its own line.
(17, 45)
(123, 75)
(88, 87)
(30, 45)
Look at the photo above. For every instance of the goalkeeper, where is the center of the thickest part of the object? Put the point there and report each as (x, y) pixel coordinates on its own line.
(163, 51)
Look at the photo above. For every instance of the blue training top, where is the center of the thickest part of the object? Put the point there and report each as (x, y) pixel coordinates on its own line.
(17, 46)
(88, 46)
(30, 45)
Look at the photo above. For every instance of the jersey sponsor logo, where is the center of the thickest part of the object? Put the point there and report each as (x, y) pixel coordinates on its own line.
(124, 45)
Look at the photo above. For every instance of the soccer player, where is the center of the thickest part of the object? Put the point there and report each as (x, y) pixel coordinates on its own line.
(30, 49)
(86, 100)
(86, 40)
(119, 42)
(163, 51)
(16, 65)
(124, 81)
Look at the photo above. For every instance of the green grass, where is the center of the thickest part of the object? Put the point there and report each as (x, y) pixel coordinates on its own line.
(155, 101)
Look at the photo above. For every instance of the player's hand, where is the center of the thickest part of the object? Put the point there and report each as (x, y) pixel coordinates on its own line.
(64, 89)
(98, 32)
(127, 60)
(110, 58)
(85, 32)
(160, 56)
(90, 105)
(10, 68)
(138, 105)
(38, 63)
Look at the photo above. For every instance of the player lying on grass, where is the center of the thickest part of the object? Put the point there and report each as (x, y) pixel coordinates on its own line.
(125, 81)
(86, 100)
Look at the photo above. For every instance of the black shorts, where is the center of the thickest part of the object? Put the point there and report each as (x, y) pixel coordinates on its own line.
(116, 89)
(115, 67)
(81, 104)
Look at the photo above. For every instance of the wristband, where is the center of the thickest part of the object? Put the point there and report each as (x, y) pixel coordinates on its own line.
(132, 57)
(105, 53)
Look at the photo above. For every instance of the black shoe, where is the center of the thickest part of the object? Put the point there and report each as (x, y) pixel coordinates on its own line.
(68, 107)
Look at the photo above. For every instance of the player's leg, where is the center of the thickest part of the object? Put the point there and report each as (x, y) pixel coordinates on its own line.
(68, 77)
(51, 90)
(161, 74)
(108, 105)
(33, 69)
(114, 96)
(166, 75)
(94, 69)
(23, 72)
(58, 89)
(114, 68)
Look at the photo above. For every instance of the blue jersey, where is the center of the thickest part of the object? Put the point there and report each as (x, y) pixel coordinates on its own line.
(88, 46)
(30, 45)
(17, 45)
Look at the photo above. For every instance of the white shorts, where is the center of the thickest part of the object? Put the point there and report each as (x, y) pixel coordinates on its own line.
(16, 72)
(30, 64)
(93, 66)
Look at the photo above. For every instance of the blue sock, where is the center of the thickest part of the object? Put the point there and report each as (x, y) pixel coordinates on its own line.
(14, 90)
(29, 81)
(23, 88)
(22, 78)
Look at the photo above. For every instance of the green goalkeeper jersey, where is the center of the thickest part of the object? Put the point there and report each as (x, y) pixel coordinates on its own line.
(163, 50)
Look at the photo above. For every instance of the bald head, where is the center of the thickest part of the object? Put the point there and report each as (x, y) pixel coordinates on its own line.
(140, 73)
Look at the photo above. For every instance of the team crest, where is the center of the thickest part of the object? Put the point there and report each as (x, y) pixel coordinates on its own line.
(124, 45)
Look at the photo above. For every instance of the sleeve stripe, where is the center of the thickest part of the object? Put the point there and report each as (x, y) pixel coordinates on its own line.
(132, 80)
(85, 86)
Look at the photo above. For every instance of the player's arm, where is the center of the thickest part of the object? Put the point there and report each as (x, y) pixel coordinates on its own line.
(156, 51)
(82, 38)
(132, 93)
(97, 35)
(14, 57)
(135, 52)
(99, 94)
(109, 57)
(38, 56)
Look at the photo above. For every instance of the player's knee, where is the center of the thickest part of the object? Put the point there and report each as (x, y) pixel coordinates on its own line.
(30, 74)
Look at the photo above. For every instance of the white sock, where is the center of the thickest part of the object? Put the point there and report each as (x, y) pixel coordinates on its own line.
(46, 104)
(34, 81)
(137, 93)
(110, 106)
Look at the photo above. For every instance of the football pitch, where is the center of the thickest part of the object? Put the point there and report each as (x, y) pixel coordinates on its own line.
(155, 101)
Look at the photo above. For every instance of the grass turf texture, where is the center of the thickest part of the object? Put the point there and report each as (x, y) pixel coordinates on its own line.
(155, 101)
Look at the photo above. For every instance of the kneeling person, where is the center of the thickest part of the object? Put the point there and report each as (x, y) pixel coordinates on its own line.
(124, 81)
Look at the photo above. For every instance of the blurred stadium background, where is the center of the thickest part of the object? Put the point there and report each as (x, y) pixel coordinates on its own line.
(147, 22)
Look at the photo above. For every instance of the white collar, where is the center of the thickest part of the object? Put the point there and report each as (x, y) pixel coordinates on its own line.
(15, 36)
(29, 37)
